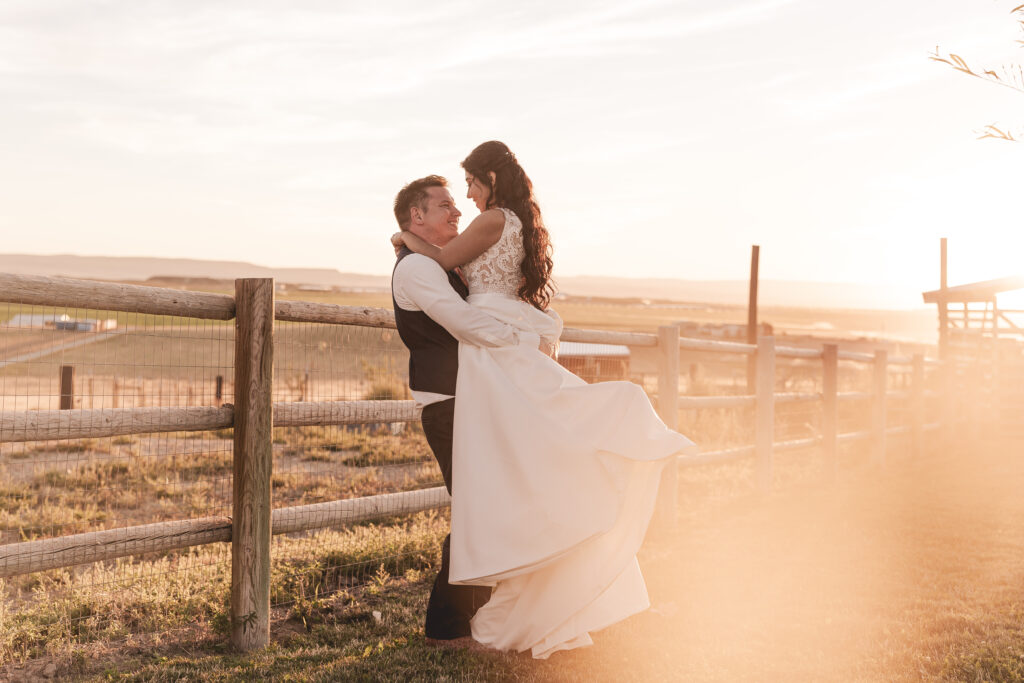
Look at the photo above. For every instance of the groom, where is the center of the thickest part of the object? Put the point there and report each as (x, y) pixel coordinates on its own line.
(432, 317)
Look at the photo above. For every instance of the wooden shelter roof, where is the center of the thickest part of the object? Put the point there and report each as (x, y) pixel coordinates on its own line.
(985, 290)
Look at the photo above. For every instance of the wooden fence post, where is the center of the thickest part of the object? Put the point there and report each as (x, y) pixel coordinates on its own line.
(668, 409)
(250, 526)
(917, 406)
(947, 403)
(765, 411)
(880, 387)
(218, 391)
(67, 387)
(755, 257)
(830, 410)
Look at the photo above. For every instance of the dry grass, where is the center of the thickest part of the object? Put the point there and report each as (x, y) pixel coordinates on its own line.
(909, 574)
(104, 482)
(791, 588)
(56, 612)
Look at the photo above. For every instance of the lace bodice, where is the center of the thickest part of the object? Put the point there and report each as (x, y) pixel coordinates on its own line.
(497, 269)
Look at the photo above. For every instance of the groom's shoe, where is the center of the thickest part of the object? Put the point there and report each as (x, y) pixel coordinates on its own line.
(463, 643)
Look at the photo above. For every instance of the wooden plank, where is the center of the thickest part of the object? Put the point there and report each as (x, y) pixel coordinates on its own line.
(942, 303)
(333, 314)
(830, 411)
(46, 425)
(37, 290)
(755, 252)
(691, 344)
(98, 546)
(856, 356)
(917, 406)
(342, 512)
(609, 337)
(796, 397)
(855, 436)
(668, 409)
(878, 405)
(313, 413)
(794, 352)
(703, 402)
(765, 411)
(743, 452)
(250, 536)
(305, 311)
(717, 457)
(797, 444)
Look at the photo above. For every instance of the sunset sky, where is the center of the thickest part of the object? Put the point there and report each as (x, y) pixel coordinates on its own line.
(663, 138)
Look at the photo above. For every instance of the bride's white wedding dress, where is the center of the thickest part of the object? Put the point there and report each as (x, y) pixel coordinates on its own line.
(555, 479)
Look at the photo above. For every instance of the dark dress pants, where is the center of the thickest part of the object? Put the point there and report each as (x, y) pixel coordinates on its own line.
(450, 607)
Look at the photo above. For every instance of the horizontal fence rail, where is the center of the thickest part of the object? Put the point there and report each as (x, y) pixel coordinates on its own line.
(108, 296)
(334, 314)
(41, 425)
(96, 546)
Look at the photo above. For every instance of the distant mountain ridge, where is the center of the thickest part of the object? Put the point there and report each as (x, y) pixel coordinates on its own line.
(721, 292)
(145, 267)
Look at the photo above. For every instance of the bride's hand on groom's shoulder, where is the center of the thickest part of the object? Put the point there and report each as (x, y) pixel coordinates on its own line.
(397, 242)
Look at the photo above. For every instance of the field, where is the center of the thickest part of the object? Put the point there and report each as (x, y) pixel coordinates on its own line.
(912, 574)
(323, 580)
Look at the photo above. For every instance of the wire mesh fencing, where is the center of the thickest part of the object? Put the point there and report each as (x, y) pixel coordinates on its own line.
(55, 359)
(88, 360)
(317, 363)
(357, 497)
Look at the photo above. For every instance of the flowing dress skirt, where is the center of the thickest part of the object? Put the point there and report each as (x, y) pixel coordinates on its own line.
(555, 482)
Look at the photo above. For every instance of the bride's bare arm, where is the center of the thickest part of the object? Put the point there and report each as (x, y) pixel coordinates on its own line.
(483, 232)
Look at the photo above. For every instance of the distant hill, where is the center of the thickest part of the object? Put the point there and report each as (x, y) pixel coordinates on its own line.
(772, 293)
(143, 268)
(721, 292)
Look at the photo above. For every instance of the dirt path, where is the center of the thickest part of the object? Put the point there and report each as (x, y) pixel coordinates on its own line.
(901, 575)
(50, 344)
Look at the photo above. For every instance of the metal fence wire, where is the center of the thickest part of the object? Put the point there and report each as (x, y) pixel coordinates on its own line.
(86, 359)
(316, 362)
(92, 362)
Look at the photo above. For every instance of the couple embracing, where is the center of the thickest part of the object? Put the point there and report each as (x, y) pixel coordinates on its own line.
(553, 480)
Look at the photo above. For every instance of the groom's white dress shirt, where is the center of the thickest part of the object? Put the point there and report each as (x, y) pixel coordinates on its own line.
(420, 284)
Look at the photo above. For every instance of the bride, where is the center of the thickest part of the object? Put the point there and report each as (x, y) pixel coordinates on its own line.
(556, 478)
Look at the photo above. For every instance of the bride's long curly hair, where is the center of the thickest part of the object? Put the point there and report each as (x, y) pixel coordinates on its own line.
(513, 190)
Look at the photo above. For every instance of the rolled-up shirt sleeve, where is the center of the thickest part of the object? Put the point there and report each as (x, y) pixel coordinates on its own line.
(421, 284)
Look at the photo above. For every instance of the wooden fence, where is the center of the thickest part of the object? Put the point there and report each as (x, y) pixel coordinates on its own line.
(253, 416)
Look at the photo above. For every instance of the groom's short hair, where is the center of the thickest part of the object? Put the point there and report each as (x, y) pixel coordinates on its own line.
(415, 194)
